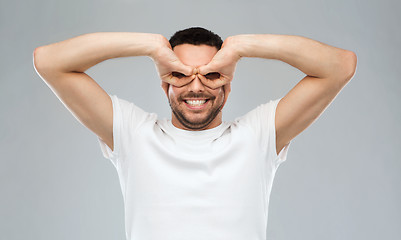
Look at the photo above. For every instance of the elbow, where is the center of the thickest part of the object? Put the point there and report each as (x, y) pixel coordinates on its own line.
(41, 61)
(349, 65)
(35, 58)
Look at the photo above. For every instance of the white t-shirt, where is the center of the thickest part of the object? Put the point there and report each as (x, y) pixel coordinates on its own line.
(194, 185)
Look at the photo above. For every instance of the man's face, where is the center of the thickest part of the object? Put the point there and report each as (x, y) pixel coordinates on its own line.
(195, 106)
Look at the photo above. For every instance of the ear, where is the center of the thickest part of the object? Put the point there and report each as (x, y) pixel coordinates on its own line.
(227, 90)
(165, 87)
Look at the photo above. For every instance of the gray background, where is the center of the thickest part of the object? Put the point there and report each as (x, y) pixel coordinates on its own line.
(342, 176)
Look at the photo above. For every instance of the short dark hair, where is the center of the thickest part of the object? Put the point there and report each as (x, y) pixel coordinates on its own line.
(196, 36)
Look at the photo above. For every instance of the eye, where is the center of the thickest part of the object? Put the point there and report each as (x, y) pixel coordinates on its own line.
(178, 75)
(213, 75)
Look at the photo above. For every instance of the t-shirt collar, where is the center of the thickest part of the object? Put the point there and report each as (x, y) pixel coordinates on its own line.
(212, 132)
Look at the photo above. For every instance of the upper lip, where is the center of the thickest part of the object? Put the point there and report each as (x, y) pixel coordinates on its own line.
(194, 99)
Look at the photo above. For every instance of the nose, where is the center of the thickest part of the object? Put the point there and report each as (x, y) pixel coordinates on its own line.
(196, 85)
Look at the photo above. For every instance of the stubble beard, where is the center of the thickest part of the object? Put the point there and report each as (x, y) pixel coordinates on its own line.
(198, 125)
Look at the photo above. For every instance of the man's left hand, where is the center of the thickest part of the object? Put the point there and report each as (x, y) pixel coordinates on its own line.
(220, 70)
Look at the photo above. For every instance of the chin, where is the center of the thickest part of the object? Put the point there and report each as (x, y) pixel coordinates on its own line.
(194, 123)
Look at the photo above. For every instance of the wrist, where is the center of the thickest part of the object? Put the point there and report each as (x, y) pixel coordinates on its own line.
(158, 42)
(234, 44)
(140, 44)
(242, 44)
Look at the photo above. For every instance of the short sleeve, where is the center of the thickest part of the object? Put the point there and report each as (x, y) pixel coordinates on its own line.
(282, 155)
(126, 119)
(262, 122)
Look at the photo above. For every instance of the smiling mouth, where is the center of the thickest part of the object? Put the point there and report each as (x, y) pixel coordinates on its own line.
(196, 103)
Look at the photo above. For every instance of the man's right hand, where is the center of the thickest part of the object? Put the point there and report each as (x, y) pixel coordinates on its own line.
(170, 69)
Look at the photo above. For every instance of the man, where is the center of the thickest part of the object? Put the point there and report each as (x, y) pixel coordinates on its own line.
(195, 176)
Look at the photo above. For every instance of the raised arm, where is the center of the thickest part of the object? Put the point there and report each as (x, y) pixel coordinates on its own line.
(313, 58)
(328, 70)
(61, 65)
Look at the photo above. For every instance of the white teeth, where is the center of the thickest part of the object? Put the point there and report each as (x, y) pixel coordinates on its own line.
(195, 102)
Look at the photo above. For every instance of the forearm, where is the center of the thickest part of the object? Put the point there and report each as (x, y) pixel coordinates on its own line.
(82, 52)
(309, 56)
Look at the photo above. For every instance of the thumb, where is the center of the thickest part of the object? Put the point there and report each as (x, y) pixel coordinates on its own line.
(208, 68)
(182, 68)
